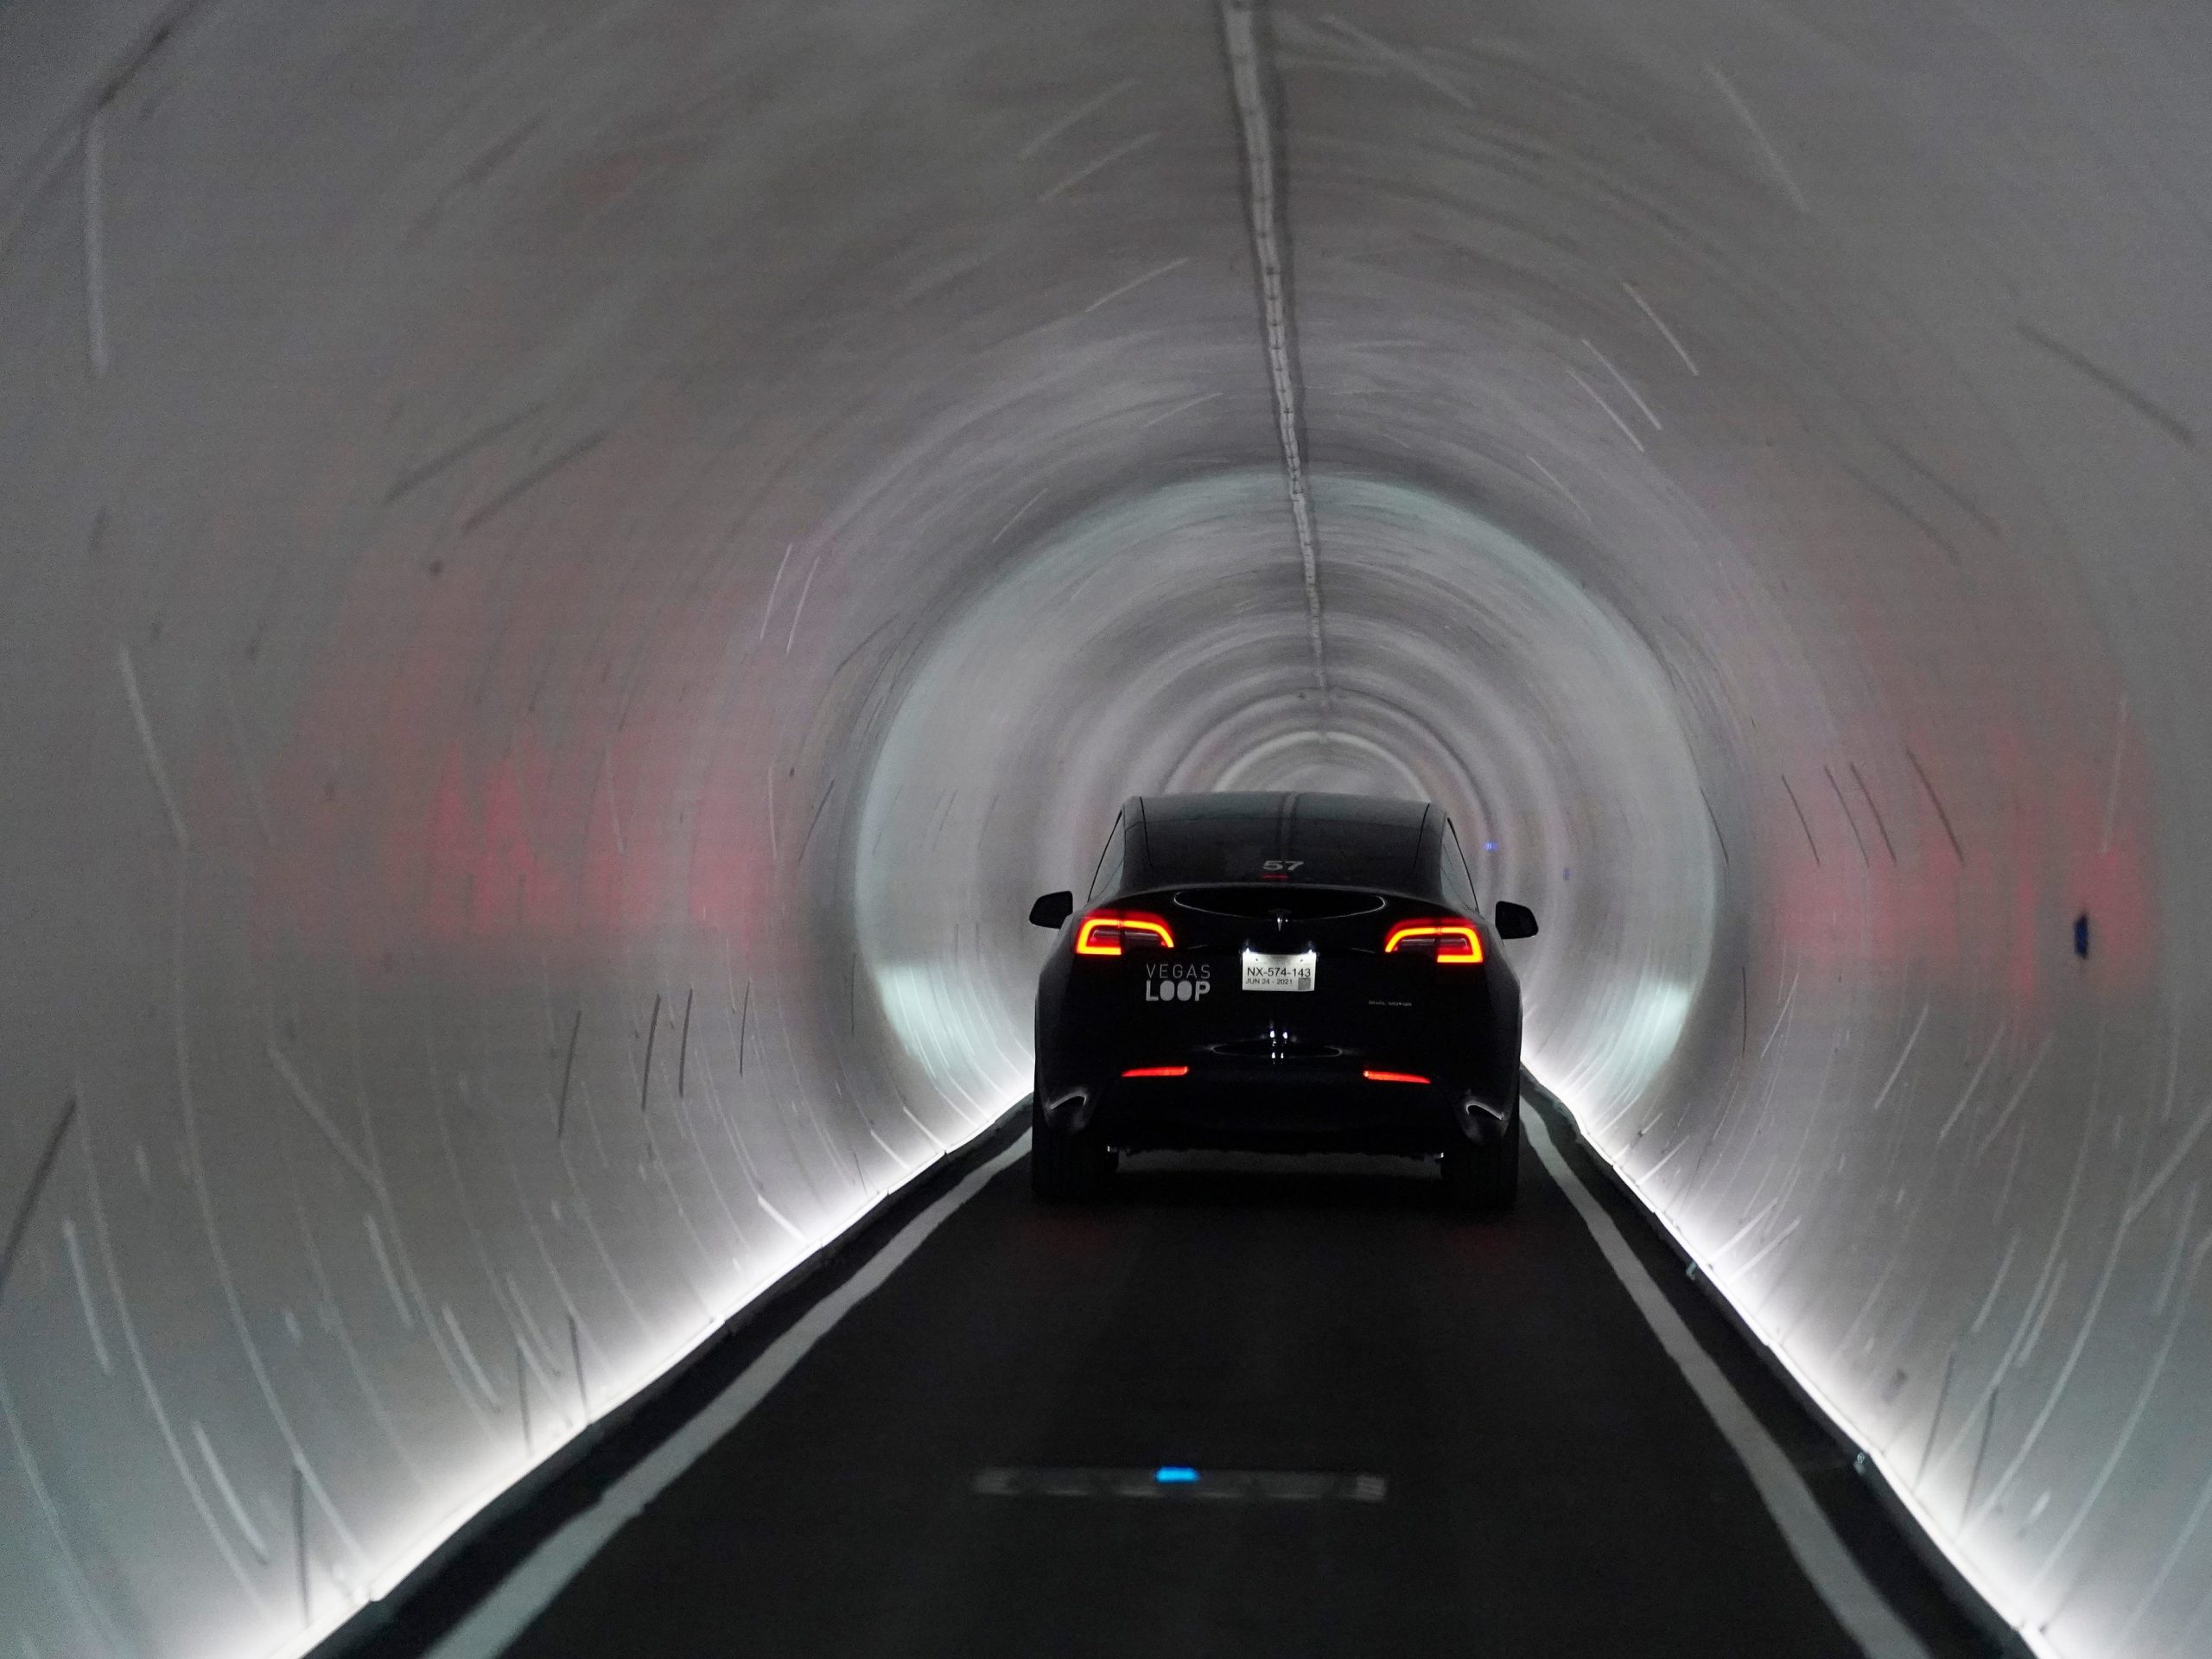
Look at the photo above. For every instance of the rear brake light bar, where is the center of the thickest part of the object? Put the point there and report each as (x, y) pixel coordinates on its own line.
(1457, 943)
(1394, 1076)
(1158, 1072)
(1104, 931)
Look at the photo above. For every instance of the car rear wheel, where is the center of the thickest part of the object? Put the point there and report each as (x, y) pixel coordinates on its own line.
(1483, 1179)
(1062, 1168)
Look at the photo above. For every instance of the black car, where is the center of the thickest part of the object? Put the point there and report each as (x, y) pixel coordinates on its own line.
(1291, 972)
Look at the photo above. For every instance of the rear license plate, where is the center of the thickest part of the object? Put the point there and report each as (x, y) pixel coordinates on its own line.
(1263, 972)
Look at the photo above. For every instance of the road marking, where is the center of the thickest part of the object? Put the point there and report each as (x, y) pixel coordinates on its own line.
(1182, 1482)
(498, 1619)
(1832, 1568)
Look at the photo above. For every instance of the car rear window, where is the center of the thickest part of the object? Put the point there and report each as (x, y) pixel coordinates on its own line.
(1334, 852)
(1261, 898)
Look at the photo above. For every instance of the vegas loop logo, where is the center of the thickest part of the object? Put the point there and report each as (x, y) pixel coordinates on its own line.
(1176, 981)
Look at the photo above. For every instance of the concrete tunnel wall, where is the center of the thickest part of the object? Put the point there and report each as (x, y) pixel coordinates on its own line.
(570, 567)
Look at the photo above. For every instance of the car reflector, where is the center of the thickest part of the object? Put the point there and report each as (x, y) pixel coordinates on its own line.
(1157, 1071)
(1394, 1076)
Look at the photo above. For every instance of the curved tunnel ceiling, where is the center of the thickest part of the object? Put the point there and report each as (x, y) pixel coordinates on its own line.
(571, 568)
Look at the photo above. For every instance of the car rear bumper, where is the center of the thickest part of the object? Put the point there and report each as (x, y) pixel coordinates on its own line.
(1245, 1108)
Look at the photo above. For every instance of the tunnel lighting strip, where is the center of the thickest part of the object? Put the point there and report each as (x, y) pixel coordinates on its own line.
(494, 1622)
(2010, 1607)
(1241, 33)
(1834, 1573)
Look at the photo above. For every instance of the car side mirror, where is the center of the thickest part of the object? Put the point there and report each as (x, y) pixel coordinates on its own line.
(1512, 921)
(1056, 908)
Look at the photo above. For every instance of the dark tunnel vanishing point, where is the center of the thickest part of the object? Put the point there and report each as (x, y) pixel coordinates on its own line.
(571, 568)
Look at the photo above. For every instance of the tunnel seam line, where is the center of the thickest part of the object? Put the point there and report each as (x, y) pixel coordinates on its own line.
(1241, 37)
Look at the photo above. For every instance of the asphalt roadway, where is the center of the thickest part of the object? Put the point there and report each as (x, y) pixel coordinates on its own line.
(1385, 1430)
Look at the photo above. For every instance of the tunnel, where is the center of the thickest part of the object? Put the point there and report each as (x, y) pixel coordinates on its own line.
(573, 566)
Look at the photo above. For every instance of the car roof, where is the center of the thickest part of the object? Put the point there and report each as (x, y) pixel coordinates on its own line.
(1250, 805)
(1331, 840)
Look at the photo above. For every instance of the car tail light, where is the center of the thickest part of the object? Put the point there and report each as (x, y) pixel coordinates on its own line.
(1457, 943)
(1392, 1077)
(1158, 1072)
(1104, 933)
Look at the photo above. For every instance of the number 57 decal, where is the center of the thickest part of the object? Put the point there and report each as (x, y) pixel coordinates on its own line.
(1280, 866)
